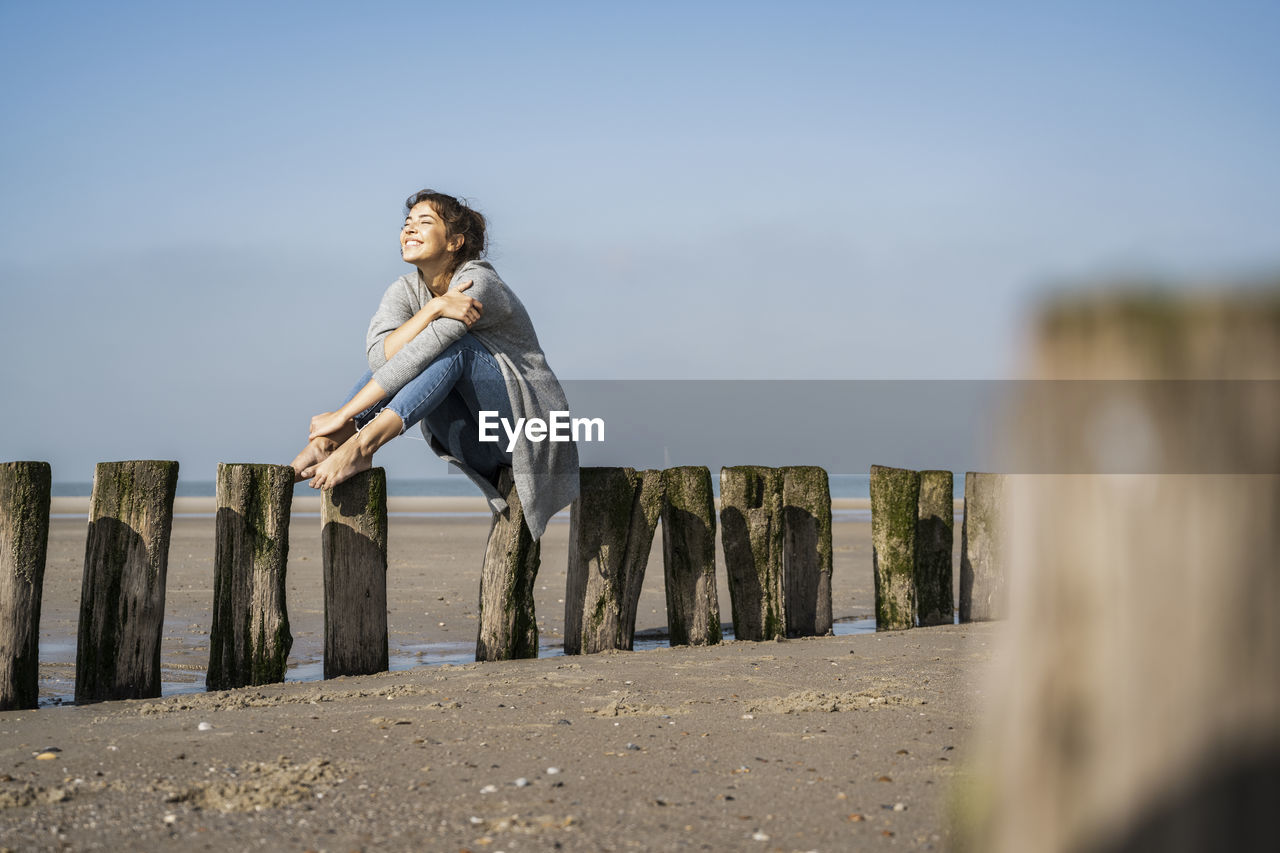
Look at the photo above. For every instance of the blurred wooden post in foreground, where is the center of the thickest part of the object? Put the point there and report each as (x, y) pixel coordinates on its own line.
(689, 556)
(250, 639)
(508, 626)
(122, 595)
(806, 550)
(935, 526)
(611, 527)
(353, 545)
(24, 539)
(983, 548)
(895, 499)
(751, 533)
(1139, 708)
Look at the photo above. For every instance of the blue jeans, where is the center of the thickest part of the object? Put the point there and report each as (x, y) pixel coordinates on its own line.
(447, 396)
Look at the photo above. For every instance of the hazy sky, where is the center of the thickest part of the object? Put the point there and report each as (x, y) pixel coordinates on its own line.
(201, 201)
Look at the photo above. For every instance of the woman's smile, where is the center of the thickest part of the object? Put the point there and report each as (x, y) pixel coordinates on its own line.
(424, 238)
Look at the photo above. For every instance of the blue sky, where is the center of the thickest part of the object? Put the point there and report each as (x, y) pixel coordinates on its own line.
(200, 200)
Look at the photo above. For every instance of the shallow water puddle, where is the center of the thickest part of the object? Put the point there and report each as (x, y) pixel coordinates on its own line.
(57, 676)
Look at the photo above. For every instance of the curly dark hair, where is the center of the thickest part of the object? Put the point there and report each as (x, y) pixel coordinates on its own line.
(458, 218)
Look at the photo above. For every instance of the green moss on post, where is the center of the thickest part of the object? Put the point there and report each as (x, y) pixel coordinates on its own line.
(610, 535)
(250, 639)
(122, 596)
(806, 550)
(751, 533)
(508, 625)
(895, 497)
(353, 542)
(982, 549)
(935, 523)
(24, 538)
(689, 556)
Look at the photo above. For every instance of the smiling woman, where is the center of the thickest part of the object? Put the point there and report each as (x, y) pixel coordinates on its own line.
(448, 341)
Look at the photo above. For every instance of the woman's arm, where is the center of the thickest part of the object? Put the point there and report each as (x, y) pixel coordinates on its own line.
(395, 323)
(396, 308)
(420, 350)
(454, 304)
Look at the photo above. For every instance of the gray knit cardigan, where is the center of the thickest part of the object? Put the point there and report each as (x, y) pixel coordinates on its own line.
(545, 472)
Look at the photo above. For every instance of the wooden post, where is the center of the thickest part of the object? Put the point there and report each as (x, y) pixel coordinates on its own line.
(24, 538)
(895, 497)
(751, 533)
(353, 543)
(122, 596)
(935, 526)
(982, 551)
(250, 640)
(508, 626)
(689, 556)
(1138, 706)
(610, 534)
(806, 550)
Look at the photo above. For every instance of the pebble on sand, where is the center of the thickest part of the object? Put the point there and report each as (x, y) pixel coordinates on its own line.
(204, 727)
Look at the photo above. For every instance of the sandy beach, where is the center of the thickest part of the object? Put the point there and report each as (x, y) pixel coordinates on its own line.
(830, 743)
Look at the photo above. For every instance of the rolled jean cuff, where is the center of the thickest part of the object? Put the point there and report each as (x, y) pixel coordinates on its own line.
(404, 420)
(362, 420)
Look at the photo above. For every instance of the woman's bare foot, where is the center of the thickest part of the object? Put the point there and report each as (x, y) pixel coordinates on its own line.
(356, 453)
(316, 451)
(343, 463)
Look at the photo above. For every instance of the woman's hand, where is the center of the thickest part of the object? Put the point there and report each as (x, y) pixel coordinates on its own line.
(328, 423)
(456, 305)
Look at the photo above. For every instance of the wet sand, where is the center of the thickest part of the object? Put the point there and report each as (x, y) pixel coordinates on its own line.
(825, 743)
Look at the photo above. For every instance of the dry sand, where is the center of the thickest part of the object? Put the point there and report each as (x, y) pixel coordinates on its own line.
(830, 743)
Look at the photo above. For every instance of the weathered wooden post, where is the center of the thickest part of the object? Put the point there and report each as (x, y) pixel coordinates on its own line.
(610, 534)
(935, 525)
(508, 625)
(751, 533)
(250, 639)
(806, 550)
(982, 549)
(689, 556)
(353, 543)
(122, 596)
(895, 498)
(24, 538)
(1138, 704)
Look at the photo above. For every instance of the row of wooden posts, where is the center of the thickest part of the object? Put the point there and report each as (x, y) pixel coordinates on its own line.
(775, 526)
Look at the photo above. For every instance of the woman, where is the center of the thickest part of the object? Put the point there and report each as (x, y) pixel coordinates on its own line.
(450, 340)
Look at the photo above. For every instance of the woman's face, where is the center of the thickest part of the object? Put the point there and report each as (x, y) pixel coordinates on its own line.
(423, 236)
